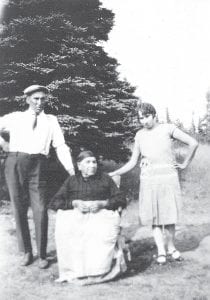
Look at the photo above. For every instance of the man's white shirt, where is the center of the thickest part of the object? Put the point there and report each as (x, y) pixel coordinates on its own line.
(23, 138)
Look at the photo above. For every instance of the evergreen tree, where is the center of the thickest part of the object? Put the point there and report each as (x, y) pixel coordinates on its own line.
(193, 127)
(168, 119)
(202, 126)
(179, 124)
(57, 43)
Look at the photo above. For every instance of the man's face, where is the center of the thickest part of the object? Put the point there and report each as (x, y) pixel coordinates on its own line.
(37, 101)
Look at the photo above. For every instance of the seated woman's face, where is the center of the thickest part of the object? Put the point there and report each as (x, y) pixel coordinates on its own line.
(88, 166)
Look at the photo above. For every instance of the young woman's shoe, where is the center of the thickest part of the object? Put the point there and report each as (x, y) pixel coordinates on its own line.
(174, 256)
(160, 259)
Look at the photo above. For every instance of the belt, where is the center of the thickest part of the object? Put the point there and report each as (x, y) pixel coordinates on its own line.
(37, 155)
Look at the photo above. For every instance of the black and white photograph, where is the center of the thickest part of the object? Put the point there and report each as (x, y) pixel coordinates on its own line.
(104, 149)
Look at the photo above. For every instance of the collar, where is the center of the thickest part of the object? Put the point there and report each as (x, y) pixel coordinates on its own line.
(31, 112)
(92, 177)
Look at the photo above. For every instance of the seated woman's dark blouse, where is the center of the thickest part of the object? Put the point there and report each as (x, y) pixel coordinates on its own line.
(97, 187)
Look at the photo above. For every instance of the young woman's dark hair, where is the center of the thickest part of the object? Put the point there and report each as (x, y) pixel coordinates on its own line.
(147, 109)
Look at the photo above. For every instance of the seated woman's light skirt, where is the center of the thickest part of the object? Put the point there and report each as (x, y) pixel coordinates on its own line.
(87, 246)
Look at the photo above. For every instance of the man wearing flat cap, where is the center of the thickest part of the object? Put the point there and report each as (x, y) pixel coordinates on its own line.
(31, 134)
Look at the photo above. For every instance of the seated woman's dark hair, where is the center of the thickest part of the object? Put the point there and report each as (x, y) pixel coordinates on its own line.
(83, 154)
(147, 109)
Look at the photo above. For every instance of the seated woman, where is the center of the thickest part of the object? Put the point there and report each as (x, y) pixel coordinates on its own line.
(88, 225)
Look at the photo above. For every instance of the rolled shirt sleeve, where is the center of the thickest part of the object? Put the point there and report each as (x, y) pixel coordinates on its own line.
(64, 156)
(57, 134)
(62, 150)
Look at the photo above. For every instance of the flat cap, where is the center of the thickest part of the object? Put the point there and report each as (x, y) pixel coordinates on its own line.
(35, 88)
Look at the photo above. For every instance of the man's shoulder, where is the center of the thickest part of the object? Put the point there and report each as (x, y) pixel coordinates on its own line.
(51, 118)
(167, 127)
(140, 132)
(12, 115)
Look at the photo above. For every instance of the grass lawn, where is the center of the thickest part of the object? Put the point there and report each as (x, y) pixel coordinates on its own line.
(144, 280)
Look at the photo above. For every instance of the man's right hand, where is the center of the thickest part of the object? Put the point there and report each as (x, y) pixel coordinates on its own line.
(4, 145)
(71, 171)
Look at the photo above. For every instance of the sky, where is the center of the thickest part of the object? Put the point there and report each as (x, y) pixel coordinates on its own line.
(163, 48)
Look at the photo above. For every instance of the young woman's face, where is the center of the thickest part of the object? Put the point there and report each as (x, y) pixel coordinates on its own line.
(88, 166)
(147, 120)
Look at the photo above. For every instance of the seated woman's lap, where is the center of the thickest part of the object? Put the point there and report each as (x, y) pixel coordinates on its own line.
(90, 239)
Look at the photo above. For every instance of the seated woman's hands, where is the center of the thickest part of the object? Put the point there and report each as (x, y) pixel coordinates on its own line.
(97, 205)
(180, 166)
(89, 206)
(81, 205)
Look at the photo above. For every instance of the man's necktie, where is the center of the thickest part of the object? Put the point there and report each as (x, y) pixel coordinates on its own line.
(34, 124)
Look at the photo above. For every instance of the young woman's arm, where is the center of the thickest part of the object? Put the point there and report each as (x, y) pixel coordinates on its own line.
(130, 164)
(190, 142)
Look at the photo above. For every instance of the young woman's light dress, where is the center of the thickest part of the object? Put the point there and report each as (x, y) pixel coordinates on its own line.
(160, 195)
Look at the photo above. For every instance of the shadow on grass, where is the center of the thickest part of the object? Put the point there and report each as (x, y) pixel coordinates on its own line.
(141, 256)
(142, 251)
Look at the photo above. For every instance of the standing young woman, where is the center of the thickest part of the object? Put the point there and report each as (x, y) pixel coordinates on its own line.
(160, 195)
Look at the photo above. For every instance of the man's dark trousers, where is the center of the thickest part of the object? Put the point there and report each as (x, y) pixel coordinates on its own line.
(25, 177)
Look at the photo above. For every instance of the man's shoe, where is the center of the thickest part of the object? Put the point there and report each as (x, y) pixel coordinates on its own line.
(27, 259)
(43, 263)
